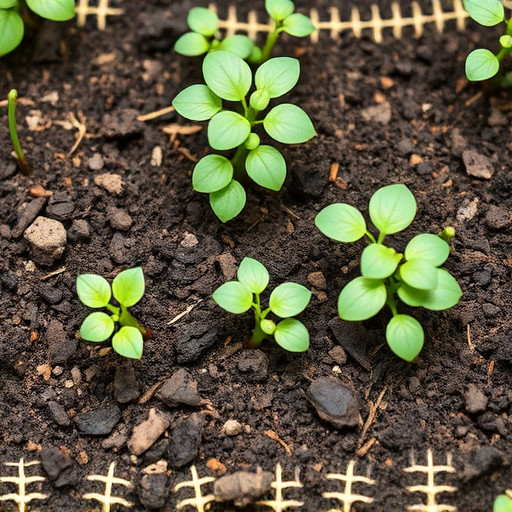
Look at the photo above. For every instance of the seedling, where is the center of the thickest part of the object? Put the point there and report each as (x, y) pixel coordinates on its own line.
(286, 301)
(482, 64)
(204, 36)
(127, 288)
(415, 276)
(12, 13)
(11, 114)
(229, 78)
(503, 503)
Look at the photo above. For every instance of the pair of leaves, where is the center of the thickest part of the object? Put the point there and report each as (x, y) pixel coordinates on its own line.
(290, 334)
(295, 24)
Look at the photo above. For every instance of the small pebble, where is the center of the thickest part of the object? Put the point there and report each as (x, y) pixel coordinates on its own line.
(232, 428)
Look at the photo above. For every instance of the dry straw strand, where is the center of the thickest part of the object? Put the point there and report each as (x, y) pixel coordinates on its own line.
(199, 501)
(21, 498)
(106, 499)
(279, 504)
(83, 9)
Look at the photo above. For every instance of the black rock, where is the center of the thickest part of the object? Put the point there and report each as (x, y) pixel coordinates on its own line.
(255, 364)
(55, 461)
(8, 170)
(60, 207)
(58, 414)
(179, 389)
(100, 422)
(121, 249)
(26, 217)
(49, 294)
(9, 281)
(79, 232)
(156, 452)
(485, 460)
(153, 489)
(193, 340)
(126, 385)
(185, 440)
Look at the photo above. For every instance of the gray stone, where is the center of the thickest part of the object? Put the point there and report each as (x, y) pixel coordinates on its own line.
(60, 347)
(242, 487)
(112, 183)
(179, 389)
(147, 432)
(123, 124)
(119, 219)
(153, 488)
(485, 461)
(405, 147)
(490, 310)
(100, 422)
(228, 265)
(7, 170)
(126, 386)
(378, 113)
(232, 428)
(476, 401)
(60, 207)
(193, 339)
(185, 440)
(58, 414)
(95, 163)
(254, 363)
(54, 461)
(334, 402)
(79, 231)
(121, 249)
(47, 240)
(477, 165)
(497, 217)
(9, 281)
(49, 294)
(28, 215)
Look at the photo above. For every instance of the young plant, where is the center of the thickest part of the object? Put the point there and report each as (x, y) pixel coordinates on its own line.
(23, 164)
(482, 64)
(204, 36)
(13, 13)
(286, 300)
(127, 288)
(229, 78)
(503, 503)
(416, 276)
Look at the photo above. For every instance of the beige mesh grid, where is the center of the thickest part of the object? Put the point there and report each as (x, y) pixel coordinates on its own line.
(101, 11)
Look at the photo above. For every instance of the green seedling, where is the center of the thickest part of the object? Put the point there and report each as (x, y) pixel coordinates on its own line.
(13, 13)
(482, 64)
(127, 288)
(11, 114)
(416, 276)
(503, 503)
(204, 36)
(230, 78)
(286, 301)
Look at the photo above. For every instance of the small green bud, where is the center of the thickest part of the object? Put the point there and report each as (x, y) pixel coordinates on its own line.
(506, 41)
(252, 142)
(268, 326)
(447, 234)
(260, 100)
(214, 45)
(115, 318)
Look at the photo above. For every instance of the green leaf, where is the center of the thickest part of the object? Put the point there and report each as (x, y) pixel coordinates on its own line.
(289, 299)
(253, 275)
(267, 167)
(197, 103)
(268, 326)
(253, 141)
(292, 335)
(228, 202)
(361, 299)
(227, 75)
(259, 100)
(485, 12)
(7, 4)
(278, 10)
(379, 261)
(341, 222)
(405, 336)
(97, 327)
(392, 208)
(502, 504)
(128, 342)
(238, 44)
(56, 10)
(128, 286)
(191, 44)
(419, 274)
(228, 130)
(481, 64)
(11, 31)
(93, 290)
(506, 41)
(277, 76)
(234, 297)
(298, 25)
(427, 247)
(202, 20)
(212, 173)
(289, 124)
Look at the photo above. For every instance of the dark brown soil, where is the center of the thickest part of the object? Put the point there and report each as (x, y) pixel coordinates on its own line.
(105, 79)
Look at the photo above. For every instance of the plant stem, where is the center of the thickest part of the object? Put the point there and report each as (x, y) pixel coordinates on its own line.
(257, 334)
(238, 161)
(11, 114)
(125, 318)
(391, 288)
(269, 44)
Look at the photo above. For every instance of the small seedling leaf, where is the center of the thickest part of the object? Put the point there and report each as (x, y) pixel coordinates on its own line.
(419, 274)
(267, 167)
(191, 44)
(253, 141)
(128, 342)
(238, 44)
(260, 99)
(228, 202)
(405, 336)
(392, 208)
(361, 299)
(277, 76)
(289, 299)
(234, 297)
(481, 64)
(128, 286)
(56, 10)
(502, 504)
(228, 130)
(485, 12)
(268, 326)
(202, 20)
(97, 326)
(379, 261)
(506, 41)
(11, 31)
(227, 75)
(427, 247)
(253, 275)
(93, 290)
(341, 222)
(197, 103)
(212, 173)
(278, 10)
(292, 335)
(289, 124)
(298, 25)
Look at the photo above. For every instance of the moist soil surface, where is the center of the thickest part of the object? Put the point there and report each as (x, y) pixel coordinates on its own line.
(396, 112)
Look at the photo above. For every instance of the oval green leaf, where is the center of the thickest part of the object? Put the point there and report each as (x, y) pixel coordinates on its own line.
(197, 103)
(506, 41)
(341, 222)
(292, 335)
(228, 202)
(485, 12)
(405, 336)
(234, 297)
(277, 76)
(191, 44)
(379, 261)
(93, 290)
(502, 504)
(289, 124)
(56, 10)
(268, 326)
(128, 286)
(289, 299)
(228, 130)
(253, 275)
(11, 31)
(419, 274)
(128, 342)
(7, 4)
(202, 20)
(427, 247)
(267, 167)
(481, 64)
(361, 299)
(212, 173)
(278, 10)
(392, 208)
(259, 100)
(97, 327)
(298, 25)
(227, 75)
(238, 44)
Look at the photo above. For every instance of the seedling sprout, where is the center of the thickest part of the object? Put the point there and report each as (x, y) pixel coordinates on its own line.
(11, 114)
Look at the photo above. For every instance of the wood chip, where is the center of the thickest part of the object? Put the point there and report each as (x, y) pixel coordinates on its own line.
(272, 435)
(333, 174)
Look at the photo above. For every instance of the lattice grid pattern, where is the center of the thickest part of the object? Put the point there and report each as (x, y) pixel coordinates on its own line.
(278, 504)
(199, 501)
(101, 11)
